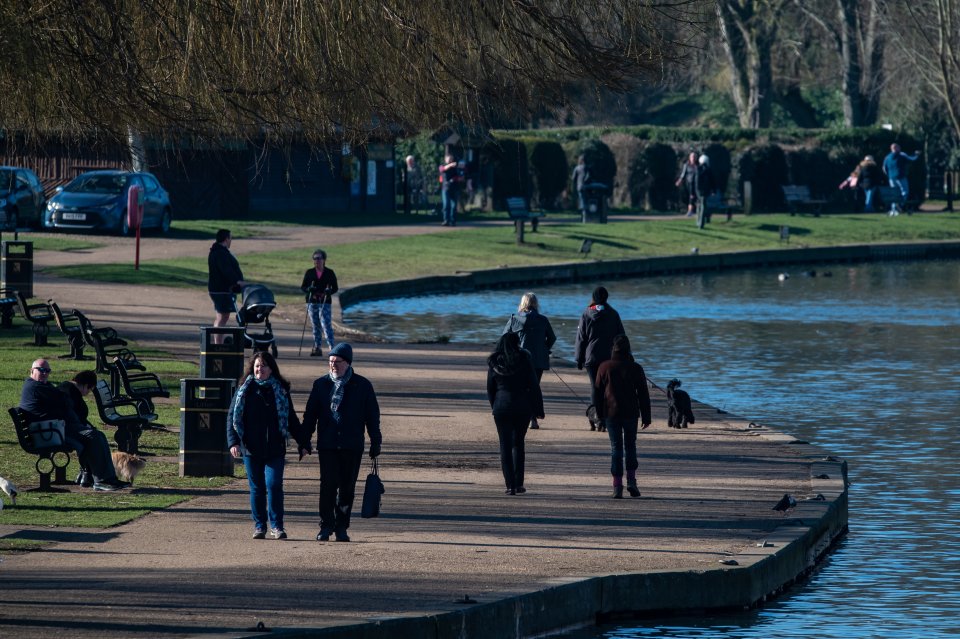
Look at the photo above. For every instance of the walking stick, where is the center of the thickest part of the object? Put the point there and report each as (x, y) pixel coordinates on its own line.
(303, 332)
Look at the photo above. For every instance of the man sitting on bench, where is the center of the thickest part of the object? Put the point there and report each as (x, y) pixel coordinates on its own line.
(42, 400)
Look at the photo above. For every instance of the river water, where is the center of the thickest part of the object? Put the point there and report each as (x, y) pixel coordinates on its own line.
(862, 360)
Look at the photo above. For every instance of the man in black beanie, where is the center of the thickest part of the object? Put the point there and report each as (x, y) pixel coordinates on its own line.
(342, 405)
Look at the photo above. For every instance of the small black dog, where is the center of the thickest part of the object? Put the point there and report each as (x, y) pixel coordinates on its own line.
(595, 422)
(680, 412)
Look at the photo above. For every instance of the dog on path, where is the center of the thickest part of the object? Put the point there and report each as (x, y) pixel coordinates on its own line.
(679, 409)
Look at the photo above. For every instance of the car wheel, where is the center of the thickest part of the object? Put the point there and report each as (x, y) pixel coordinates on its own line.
(124, 224)
(165, 222)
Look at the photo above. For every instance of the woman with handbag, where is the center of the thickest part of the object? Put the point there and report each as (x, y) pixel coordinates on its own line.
(514, 395)
(536, 336)
(259, 423)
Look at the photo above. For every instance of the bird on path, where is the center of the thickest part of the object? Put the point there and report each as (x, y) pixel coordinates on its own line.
(786, 503)
(7, 486)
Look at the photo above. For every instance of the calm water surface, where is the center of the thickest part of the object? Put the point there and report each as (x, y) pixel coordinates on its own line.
(865, 363)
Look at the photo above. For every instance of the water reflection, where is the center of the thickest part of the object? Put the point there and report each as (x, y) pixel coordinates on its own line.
(865, 363)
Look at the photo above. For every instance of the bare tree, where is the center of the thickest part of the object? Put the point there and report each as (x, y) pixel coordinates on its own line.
(748, 29)
(857, 33)
(318, 69)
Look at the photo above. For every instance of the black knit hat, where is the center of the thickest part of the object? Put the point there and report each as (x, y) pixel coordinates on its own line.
(343, 351)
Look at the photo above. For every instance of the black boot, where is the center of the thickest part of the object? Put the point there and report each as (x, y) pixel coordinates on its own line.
(84, 479)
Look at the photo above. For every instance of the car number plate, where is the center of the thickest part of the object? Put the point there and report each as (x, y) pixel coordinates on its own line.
(76, 217)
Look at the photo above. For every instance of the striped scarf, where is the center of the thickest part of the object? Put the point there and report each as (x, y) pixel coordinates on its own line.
(339, 384)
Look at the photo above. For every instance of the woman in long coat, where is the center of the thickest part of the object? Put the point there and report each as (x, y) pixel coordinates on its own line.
(536, 335)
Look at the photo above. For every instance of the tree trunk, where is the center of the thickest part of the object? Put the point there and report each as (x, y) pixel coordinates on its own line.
(748, 29)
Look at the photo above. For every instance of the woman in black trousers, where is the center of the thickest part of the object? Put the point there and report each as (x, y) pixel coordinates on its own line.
(515, 398)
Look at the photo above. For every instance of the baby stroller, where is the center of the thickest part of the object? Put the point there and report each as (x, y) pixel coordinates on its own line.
(256, 304)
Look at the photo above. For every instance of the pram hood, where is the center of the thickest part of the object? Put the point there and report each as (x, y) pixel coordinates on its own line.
(256, 303)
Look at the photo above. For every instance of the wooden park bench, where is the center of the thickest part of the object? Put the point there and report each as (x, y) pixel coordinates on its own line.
(143, 386)
(799, 199)
(69, 325)
(53, 454)
(37, 314)
(130, 423)
(520, 213)
(107, 345)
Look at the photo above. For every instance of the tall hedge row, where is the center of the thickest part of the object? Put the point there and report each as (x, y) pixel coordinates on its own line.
(640, 164)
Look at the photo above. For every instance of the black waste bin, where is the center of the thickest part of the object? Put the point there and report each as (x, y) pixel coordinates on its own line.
(16, 267)
(224, 359)
(594, 203)
(204, 404)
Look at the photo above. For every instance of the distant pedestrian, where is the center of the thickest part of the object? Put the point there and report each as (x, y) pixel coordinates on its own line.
(414, 178)
(342, 407)
(896, 166)
(580, 178)
(260, 421)
(451, 179)
(319, 284)
(865, 176)
(599, 324)
(688, 177)
(536, 336)
(704, 185)
(515, 398)
(624, 400)
(225, 280)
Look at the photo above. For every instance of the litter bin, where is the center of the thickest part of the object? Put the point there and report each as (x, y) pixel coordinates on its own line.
(224, 359)
(16, 267)
(204, 404)
(594, 203)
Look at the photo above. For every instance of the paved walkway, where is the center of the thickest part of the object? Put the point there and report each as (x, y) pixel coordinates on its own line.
(447, 530)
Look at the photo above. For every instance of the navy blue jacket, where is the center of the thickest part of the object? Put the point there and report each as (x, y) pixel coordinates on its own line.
(595, 335)
(359, 411)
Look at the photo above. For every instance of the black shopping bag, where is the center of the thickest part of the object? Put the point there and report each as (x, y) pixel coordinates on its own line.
(372, 490)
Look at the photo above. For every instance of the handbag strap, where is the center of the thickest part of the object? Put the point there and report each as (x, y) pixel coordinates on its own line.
(376, 467)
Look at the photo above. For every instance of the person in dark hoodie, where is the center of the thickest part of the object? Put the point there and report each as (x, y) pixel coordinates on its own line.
(340, 407)
(260, 420)
(536, 335)
(514, 396)
(599, 324)
(623, 401)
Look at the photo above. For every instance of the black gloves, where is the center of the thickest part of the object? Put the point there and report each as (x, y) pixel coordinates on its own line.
(374, 451)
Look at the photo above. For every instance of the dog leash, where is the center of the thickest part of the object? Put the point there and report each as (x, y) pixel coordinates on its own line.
(568, 388)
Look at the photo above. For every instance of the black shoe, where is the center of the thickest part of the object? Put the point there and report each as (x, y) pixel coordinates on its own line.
(85, 479)
(323, 535)
(109, 486)
(521, 490)
(342, 536)
(317, 352)
(633, 490)
(618, 492)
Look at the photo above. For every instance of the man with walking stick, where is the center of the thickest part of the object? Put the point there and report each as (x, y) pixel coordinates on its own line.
(319, 284)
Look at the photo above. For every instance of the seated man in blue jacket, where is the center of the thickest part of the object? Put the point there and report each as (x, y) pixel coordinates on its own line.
(42, 400)
(341, 406)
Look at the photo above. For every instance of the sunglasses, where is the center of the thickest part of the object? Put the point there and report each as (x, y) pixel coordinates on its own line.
(41, 369)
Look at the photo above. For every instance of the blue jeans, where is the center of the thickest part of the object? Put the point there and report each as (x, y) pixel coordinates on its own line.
(869, 194)
(265, 477)
(623, 444)
(904, 186)
(450, 197)
(321, 320)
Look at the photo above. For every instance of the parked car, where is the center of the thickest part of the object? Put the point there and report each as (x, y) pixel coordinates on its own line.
(22, 201)
(97, 200)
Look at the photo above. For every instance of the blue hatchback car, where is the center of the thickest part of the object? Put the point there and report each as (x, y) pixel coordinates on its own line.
(97, 200)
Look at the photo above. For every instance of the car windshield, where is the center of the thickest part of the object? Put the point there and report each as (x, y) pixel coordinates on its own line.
(98, 184)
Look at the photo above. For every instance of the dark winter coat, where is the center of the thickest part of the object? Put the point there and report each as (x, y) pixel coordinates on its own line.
(259, 432)
(622, 384)
(224, 270)
(536, 336)
(319, 289)
(359, 411)
(704, 184)
(599, 324)
(515, 390)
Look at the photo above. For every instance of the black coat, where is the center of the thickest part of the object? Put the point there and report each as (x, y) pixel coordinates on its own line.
(515, 391)
(259, 433)
(536, 336)
(359, 412)
(319, 289)
(595, 335)
(224, 270)
(43, 400)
